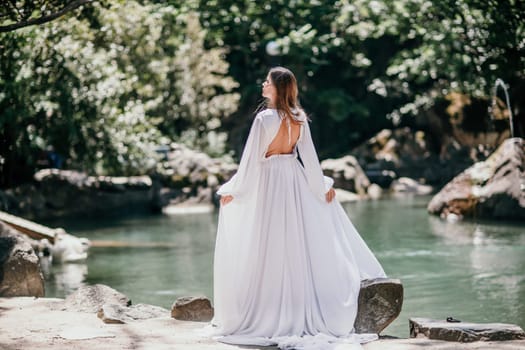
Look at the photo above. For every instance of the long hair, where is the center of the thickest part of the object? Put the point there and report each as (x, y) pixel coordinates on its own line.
(287, 101)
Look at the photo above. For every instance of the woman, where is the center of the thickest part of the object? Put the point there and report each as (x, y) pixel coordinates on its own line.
(288, 261)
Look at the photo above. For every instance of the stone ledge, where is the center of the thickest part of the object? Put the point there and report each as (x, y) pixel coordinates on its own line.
(463, 331)
(46, 326)
(115, 313)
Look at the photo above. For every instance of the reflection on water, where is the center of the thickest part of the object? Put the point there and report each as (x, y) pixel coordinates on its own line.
(472, 271)
(146, 275)
(63, 278)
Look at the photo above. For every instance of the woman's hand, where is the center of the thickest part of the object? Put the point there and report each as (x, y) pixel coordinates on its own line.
(330, 195)
(226, 199)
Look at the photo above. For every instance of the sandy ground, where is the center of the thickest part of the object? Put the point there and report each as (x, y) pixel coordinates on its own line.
(31, 323)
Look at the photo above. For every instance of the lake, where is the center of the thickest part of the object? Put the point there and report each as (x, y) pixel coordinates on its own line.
(473, 271)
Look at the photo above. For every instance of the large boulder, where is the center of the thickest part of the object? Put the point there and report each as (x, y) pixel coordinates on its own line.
(347, 174)
(91, 298)
(416, 154)
(188, 176)
(20, 271)
(492, 189)
(463, 331)
(392, 153)
(183, 177)
(60, 193)
(380, 301)
(395, 146)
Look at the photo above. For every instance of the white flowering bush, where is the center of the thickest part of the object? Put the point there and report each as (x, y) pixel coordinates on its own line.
(103, 88)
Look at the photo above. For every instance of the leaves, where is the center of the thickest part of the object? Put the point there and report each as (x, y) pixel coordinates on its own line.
(108, 82)
(104, 92)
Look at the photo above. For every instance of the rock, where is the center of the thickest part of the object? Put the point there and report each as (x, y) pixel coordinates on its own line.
(347, 174)
(410, 186)
(68, 248)
(42, 248)
(192, 309)
(399, 151)
(492, 189)
(7, 201)
(463, 331)
(374, 191)
(379, 176)
(115, 313)
(345, 196)
(190, 177)
(455, 199)
(92, 298)
(380, 301)
(404, 152)
(67, 193)
(45, 327)
(20, 266)
(379, 304)
(65, 247)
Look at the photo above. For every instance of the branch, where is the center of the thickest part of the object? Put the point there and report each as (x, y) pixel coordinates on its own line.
(44, 19)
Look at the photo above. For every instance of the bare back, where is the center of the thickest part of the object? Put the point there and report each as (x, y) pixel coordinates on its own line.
(282, 144)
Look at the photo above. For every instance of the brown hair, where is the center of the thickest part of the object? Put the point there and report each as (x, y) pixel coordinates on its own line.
(287, 102)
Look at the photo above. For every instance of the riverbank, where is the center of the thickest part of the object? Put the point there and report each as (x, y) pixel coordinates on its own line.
(38, 323)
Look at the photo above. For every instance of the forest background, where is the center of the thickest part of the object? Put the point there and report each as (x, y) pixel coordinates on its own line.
(110, 82)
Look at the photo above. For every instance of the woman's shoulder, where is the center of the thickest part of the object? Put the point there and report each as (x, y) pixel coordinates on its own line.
(300, 115)
(267, 113)
(268, 117)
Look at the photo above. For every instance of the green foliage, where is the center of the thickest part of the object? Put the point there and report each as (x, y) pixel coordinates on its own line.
(104, 91)
(359, 61)
(440, 46)
(107, 83)
(201, 84)
(332, 89)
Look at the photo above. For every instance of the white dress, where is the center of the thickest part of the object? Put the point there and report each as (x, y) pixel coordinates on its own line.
(288, 265)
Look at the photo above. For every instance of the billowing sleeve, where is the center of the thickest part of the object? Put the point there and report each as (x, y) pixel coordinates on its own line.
(318, 183)
(249, 166)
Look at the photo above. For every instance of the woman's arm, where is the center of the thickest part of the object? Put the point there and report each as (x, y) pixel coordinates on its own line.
(320, 185)
(249, 166)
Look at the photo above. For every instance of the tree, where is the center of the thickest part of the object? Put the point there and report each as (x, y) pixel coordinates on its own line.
(365, 65)
(440, 47)
(332, 81)
(103, 91)
(18, 14)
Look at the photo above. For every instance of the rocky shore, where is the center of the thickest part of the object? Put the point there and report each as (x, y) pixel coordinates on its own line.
(40, 323)
(99, 317)
(492, 189)
(393, 162)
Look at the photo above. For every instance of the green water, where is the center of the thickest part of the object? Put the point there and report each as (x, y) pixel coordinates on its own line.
(472, 271)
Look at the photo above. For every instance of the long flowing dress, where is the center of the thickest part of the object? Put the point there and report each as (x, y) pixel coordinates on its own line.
(288, 265)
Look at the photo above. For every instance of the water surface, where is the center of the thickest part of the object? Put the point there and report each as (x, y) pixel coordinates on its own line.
(472, 271)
